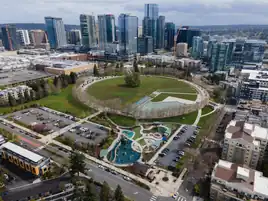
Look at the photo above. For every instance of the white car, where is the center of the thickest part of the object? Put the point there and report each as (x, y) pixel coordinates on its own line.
(126, 178)
(175, 195)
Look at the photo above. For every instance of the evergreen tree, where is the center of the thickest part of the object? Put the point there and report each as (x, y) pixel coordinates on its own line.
(40, 92)
(26, 95)
(117, 65)
(11, 100)
(55, 81)
(73, 77)
(95, 71)
(32, 95)
(20, 98)
(135, 65)
(89, 194)
(118, 194)
(46, 89)
(105, 192)
(77, 163)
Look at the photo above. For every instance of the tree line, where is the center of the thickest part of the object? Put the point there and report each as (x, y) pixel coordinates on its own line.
(42, 88)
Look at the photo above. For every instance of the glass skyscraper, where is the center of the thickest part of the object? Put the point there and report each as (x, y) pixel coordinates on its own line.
(106, 24)
(160, 34)
(9, 37)
(88, 30)
(151, 11)
(150, 22)
(197, 47)
(219, 55)
(128, 34)
(186, 35)
(56, 32)
(254, 50)
(169, 35)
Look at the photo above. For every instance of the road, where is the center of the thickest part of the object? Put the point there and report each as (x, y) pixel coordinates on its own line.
(130, 190)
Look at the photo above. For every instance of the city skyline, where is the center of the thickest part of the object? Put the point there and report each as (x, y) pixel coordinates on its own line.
(202, 12)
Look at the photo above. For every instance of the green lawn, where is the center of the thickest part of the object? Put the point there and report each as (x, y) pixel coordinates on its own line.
(63, 102)
(205, 123)
(122, 120)
(115, 88)
(137, 133)
(207, 109)
(183, 119)
(163, 96)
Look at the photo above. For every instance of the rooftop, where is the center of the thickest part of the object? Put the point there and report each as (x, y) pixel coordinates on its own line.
(246, 131)
(241, 177)
(22, 152)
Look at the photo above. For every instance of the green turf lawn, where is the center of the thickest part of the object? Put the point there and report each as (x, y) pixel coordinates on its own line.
(137, 133)
(122, 120)
(207, 109)
(63, 102)
(115, 88)
(163, 96)
(183, 119)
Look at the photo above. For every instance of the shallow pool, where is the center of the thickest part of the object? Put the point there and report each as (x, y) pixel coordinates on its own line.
(123, 153)
(128, 133)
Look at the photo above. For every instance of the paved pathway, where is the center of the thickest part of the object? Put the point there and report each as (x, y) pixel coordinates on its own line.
(198, 117)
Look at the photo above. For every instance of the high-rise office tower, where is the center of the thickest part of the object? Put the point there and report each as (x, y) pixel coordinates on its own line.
(23, 37)
(88, 30)
(9, 37)
(197, 47)
(151, 11)
(128, 34)
(218, 57)
(107, 31)
(186, 35)
(38, 37)
(74, 37)
(160, 32)
(169, 35)
(145, 45)
(56, 32)
(150, 22)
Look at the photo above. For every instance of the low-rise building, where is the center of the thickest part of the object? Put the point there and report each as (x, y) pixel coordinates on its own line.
(15, 92)
(245, 143)
(234, 182)
(25, 159)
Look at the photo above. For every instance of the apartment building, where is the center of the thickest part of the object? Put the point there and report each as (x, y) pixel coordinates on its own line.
(14, 92)
(25, 159)
(245, 143)
(233, 182)
(255, 85)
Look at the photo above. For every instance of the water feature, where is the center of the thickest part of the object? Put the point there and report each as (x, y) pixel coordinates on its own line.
(128, 133)
(123, 154)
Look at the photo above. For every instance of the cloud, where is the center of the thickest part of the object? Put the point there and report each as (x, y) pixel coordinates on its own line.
(181, 12)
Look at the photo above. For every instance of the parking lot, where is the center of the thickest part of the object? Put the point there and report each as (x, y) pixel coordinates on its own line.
(42, 120)
(177, 144)
(87, 133)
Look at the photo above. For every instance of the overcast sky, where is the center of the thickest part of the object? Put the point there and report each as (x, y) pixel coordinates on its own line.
(181, 12)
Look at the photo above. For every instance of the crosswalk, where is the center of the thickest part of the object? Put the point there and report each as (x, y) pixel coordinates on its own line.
(153, 198)
(181, 198)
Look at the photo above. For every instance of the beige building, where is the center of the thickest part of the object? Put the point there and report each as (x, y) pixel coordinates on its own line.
(233, 182)
(15, 92)
(38, 37)
(181, 50)
(57, 69)
(245, 143)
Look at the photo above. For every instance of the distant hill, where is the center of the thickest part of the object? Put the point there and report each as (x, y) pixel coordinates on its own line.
(30, 26)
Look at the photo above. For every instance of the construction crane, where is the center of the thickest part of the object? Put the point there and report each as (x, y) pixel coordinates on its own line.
(175, 41)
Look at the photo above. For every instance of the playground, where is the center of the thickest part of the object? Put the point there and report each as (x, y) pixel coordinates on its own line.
(128, 149)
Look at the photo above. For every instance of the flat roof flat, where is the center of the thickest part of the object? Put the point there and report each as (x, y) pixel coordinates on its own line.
(22, 152)
(7, 78)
